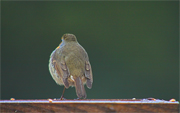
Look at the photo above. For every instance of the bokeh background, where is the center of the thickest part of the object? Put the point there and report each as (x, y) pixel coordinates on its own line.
(132, 46)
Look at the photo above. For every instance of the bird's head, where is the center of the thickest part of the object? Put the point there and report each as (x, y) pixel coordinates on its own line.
(69, 38)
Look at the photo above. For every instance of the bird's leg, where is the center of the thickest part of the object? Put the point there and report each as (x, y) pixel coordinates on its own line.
(62, 96)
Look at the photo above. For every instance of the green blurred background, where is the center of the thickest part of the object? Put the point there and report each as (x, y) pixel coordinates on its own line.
(132, 46)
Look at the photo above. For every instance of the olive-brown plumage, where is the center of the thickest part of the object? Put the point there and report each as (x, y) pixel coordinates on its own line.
(69, 65)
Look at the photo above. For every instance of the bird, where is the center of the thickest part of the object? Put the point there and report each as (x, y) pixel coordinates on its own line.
(69, 65)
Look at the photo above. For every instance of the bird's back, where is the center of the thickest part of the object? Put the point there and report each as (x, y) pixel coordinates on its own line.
(75, 59)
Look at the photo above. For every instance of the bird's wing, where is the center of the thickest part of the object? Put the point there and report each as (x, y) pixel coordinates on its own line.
(88, 74)
(61, 69)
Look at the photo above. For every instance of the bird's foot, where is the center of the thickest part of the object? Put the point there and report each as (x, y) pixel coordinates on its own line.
(78, 99)
(62, 98)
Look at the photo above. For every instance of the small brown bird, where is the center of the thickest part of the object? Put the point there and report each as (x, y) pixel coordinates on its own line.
(69, 65)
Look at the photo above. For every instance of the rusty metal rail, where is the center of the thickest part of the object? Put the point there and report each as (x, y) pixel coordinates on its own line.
(90, 105)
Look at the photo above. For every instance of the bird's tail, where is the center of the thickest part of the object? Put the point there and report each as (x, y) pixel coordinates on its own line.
(80, 91)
